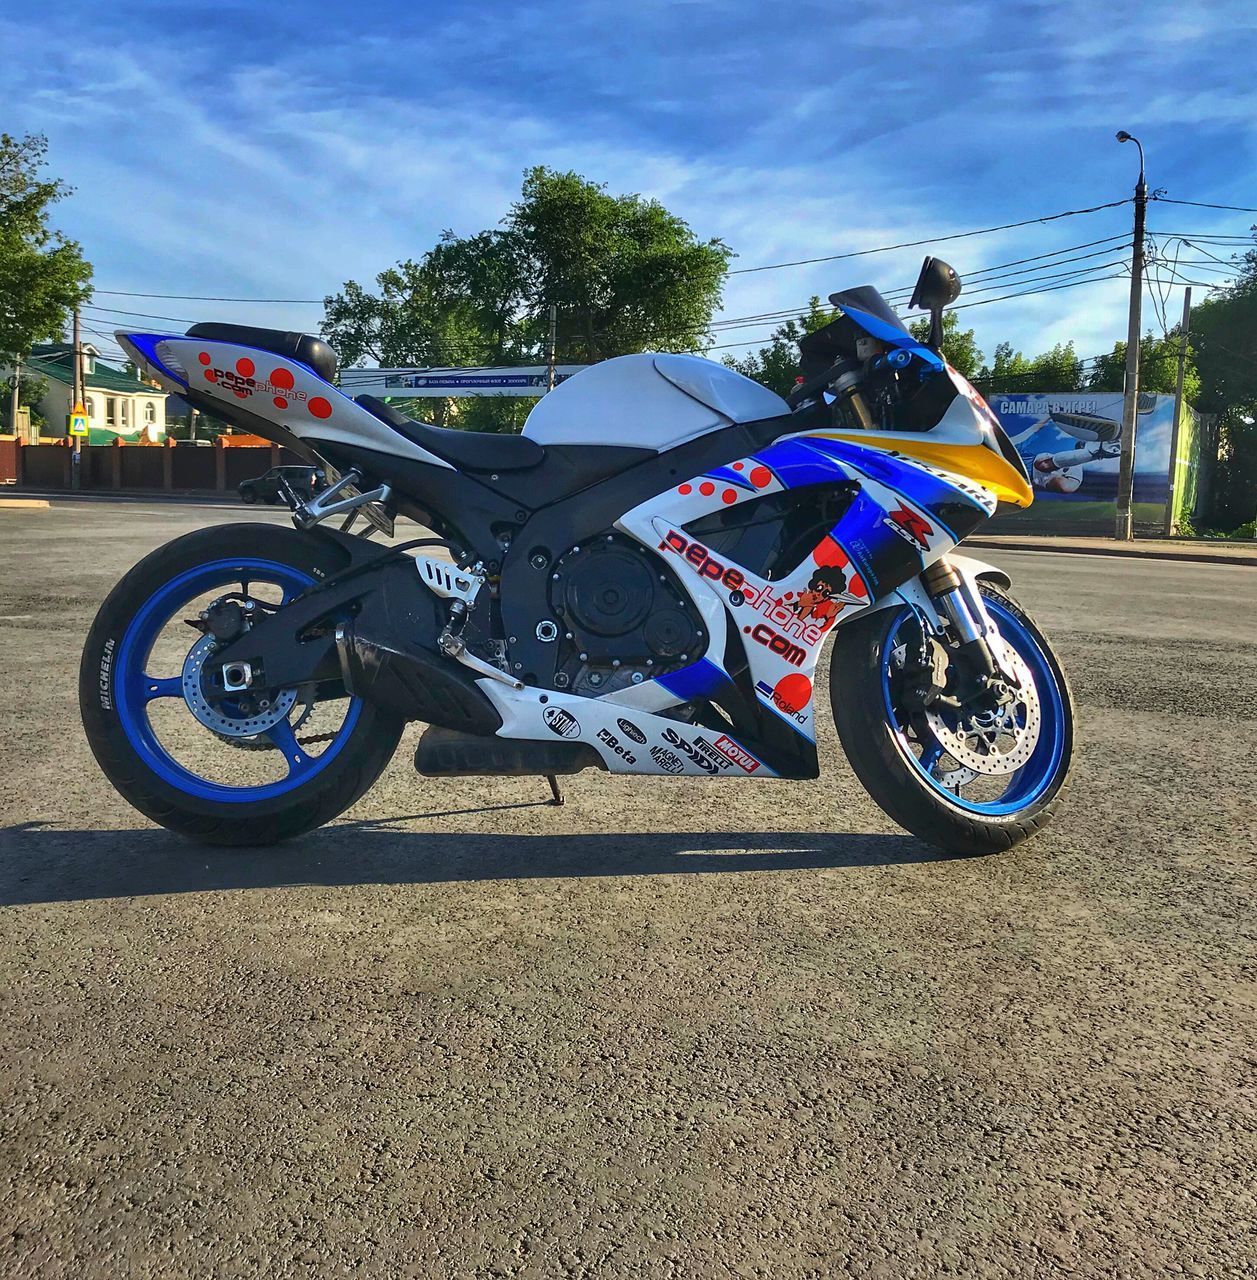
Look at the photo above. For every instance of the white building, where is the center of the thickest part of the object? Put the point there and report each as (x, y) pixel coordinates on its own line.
(117, 403)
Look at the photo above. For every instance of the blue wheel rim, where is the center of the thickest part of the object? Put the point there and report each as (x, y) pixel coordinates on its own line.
(134, 690)
(1035, 778)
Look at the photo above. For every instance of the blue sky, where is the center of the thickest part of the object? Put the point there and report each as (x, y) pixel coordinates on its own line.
(278, 150)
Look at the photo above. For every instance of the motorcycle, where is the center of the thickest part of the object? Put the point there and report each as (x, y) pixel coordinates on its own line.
(642, 582)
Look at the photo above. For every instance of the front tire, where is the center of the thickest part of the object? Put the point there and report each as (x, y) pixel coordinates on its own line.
(908, 774)
(118, 692)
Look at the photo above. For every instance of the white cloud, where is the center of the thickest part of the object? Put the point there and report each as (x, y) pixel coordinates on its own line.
(332, 159)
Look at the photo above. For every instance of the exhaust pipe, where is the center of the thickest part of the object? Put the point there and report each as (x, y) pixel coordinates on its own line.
(447, 753)
(414, 682)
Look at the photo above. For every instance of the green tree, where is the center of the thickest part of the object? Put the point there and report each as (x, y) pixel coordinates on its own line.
(1158, 367)
(31, 390)
(777, 364)
(960, 346)
(43, 276)
(1224, 336)
(1059, 369)
(421, 315)
(625, 274)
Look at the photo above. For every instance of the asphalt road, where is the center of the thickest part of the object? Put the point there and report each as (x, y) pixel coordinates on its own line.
(673, 1029)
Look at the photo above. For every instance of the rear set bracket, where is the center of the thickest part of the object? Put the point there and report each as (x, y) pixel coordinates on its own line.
(343, 498)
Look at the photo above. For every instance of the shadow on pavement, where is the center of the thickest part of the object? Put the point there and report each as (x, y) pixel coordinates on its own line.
(41, 864)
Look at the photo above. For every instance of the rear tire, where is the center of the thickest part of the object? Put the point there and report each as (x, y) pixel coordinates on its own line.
(877, 753)
(353, 764)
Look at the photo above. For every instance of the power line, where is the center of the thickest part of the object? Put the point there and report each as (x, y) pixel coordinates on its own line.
(1200, 204)
(1029, 293)
(775, 320)
(772, 266)
(912, 244)
(198, 297)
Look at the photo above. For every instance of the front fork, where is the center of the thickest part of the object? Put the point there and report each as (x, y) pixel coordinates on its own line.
(977, 674)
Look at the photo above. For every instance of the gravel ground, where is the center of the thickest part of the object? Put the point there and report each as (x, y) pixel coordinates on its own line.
(673, 1029)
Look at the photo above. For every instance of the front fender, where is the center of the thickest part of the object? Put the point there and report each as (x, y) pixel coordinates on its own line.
(975, 570)
(913, 591)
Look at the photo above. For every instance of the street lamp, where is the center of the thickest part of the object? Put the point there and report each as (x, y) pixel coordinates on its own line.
(1126, 472)
(1123, 136)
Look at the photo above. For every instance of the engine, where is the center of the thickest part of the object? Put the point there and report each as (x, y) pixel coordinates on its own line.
(622, 617)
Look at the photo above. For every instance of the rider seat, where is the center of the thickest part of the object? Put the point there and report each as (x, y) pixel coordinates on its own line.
(533, 475)
(467, 450)
(312, 352)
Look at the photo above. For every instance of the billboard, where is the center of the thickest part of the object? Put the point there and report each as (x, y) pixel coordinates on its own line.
(1071, 445)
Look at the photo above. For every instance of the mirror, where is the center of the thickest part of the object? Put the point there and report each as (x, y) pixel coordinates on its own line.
(937, 286)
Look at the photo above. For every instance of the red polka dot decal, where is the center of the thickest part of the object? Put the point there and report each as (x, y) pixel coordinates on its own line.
(242, 393)
(205, 357)
(685, 490)
(280, 403)
(281, 378)
(245, 367)
(319, 407)
(739, 466)
(793, 692)
(729, 495)
(761, 477)
(210, 375)
(707, 488)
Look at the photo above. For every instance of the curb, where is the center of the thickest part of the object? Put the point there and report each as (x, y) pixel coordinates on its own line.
(10, 497)
(24, 504)
(1243, 558)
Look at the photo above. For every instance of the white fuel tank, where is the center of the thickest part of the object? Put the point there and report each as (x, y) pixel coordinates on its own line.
(649, 402)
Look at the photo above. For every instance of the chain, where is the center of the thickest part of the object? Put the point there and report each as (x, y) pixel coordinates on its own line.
(259, 743)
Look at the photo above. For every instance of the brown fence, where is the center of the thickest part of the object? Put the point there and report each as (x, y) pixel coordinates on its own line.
(9, 445)
(171, 467)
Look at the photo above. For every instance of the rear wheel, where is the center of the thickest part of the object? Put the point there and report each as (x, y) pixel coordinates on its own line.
(250, 770)
(969, 779)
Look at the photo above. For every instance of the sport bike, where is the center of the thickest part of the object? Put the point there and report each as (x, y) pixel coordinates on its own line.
(641, 582)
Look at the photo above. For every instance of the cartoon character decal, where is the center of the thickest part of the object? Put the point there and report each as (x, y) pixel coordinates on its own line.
(826, 596)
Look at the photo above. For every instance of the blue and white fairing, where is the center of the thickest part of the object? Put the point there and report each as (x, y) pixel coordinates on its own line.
(902, 516)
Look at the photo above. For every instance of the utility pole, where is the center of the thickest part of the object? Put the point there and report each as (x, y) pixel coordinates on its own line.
(1126, 473)
(76, 461)
(1178, 410)
(551, 345)
(15, 403)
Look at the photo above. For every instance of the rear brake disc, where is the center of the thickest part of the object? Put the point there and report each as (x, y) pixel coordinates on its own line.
(217, 721)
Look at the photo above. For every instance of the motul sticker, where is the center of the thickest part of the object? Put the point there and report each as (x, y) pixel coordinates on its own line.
(743, 759)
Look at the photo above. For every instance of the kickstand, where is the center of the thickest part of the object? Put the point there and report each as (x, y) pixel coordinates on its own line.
(554, 789)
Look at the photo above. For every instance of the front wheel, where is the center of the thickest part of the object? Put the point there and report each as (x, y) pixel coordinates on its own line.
(967, 778)
(253, 769)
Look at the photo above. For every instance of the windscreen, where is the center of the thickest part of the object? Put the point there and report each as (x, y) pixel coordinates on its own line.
(866, 301)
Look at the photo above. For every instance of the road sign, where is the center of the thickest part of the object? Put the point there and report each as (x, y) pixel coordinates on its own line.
(78, 420)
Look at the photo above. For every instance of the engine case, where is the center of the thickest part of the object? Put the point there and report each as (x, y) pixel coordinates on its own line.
(622, 617)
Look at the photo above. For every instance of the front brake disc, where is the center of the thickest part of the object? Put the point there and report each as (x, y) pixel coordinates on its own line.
(993, 742)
